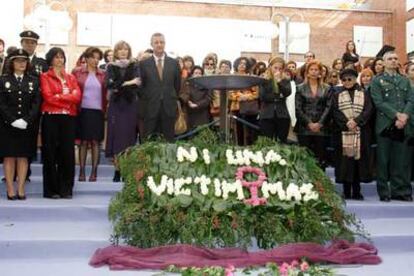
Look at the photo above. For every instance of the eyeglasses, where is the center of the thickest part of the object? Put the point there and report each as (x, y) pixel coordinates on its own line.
(347, 79)
(309, 56)
(210, 64)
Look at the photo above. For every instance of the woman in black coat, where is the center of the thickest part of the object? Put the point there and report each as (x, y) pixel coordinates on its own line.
(352, 110)
(274, 115)
(19, 110)
(123, 81)
(312, 105)
(196, 101)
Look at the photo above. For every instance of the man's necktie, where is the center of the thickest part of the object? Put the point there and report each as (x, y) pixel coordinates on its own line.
(159, 67)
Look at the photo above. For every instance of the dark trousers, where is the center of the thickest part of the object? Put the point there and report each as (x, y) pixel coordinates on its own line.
(316, 144)
(276, 128)
(160, 124)
(393, 166)
(58, 154)
(249, 134)
(354, 186)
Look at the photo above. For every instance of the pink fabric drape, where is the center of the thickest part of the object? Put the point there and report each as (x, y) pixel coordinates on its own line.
(181, 255)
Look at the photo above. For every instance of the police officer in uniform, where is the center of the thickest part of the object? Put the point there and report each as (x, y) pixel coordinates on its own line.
(29, 44)
(19, 112)
(394, 102)
(38, 65)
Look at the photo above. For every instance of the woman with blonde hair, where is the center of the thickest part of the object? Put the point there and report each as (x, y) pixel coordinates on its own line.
(274, 115)
(313, 105)
(122, 81)
(365, 78)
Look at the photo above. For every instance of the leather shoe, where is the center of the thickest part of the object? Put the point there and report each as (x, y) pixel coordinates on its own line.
(67, 196)
(358, 197)
(403, 198)
(385, 198)
(55, 196)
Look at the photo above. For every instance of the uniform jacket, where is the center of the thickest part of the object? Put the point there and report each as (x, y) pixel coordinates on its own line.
(272, 104)
(38, 66)
(81, 75)
(19, 101)
(54, 101)
(158, 94)
(392, 94)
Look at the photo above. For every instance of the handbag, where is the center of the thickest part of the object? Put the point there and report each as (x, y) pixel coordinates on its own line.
(249, 107)
(180, 122)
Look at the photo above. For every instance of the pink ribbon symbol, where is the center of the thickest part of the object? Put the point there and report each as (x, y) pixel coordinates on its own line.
(254, 200)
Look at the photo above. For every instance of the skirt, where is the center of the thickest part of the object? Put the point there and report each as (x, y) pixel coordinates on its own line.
(122, 126)
(16, 142)
(90, 125)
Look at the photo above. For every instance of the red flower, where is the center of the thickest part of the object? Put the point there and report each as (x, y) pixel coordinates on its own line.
(290, 223)
(216, 223)
(319, 187)
(141, 192)
(139, 175)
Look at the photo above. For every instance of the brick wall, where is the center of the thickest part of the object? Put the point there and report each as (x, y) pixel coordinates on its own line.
(330, 29)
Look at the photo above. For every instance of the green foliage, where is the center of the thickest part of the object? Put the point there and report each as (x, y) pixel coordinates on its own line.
(141, 218)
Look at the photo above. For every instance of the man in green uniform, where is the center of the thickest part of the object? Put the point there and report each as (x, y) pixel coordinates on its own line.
(394, 101)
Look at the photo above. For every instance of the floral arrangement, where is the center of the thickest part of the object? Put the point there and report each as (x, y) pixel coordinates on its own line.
(295, 268)
(205, 193)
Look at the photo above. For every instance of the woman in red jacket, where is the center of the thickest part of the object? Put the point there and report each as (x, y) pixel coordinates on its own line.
(61, 97)
(90, 123)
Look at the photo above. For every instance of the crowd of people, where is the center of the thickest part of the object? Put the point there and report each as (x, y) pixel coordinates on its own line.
(350, 106)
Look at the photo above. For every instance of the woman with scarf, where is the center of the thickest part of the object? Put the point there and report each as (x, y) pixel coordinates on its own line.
(122, 81)
(351, 110)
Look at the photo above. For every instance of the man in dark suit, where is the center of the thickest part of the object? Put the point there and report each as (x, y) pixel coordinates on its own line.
(161, 83)
(300, 75)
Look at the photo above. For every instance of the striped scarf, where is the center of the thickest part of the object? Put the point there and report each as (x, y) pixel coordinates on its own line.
(351, 140)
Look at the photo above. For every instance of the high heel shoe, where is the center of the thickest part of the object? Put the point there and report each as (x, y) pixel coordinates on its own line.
(92, 178)
(21, 197)
(94, 173)
(82, 177)
(11, 197)
(117, 176)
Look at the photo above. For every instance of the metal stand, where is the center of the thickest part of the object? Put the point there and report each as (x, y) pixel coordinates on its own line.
(225, 83)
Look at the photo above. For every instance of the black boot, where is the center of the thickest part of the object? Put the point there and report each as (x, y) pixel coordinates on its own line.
(356, 191)
(117, 176)
(347, 190)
